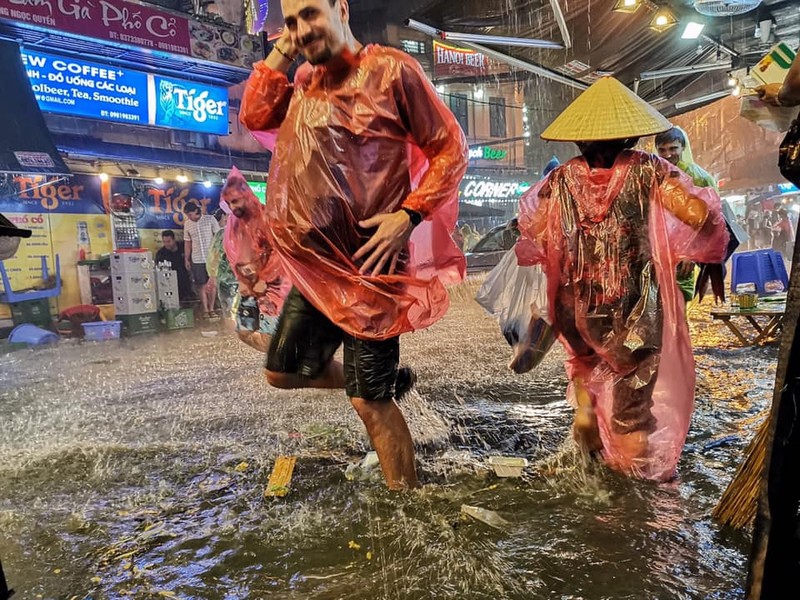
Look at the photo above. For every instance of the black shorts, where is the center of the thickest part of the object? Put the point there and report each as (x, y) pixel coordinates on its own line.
(199, 273)
(306, 340)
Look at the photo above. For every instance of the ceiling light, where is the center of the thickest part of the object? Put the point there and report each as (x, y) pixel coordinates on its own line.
(103, 177)
(207, 184)
(440, 89)
(692, 30)
(182, 178)
(663, 20)
(478, 94)
(627, 6)
(732, 81)
(158, 180)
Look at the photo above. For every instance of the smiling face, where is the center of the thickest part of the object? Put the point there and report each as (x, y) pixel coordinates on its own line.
(317, 28)
(670, 151)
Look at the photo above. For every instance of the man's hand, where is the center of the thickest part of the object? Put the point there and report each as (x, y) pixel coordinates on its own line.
(769, 93)
(188, 265)
(385, 245)
(685, 268)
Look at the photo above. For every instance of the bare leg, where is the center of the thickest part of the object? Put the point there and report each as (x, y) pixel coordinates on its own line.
(391, 439)
(210, 290)
(332, 378)
(584, 428)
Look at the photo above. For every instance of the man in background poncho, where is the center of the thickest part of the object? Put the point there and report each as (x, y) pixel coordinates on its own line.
(347, 187)
(609, 228)
(674, 146)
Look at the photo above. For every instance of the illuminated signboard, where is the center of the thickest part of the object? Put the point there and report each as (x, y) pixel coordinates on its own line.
(486, 189)
(188, 105)
(82, 88)
(259, 189)
(487, 153)
(451, 61)
(788, 188)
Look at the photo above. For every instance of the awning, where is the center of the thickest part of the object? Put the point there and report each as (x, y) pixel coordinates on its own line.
(25, 142)
(473, 211)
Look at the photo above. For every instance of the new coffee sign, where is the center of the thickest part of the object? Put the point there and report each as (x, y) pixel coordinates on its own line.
(86, 89)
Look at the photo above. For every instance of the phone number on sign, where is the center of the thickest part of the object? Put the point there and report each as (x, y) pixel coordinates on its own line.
(113, 114)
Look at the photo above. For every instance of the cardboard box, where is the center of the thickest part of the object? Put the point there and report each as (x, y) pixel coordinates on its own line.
(774, 67)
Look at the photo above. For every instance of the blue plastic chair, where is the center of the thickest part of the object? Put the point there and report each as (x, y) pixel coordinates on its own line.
(758, 267)
(11, 297)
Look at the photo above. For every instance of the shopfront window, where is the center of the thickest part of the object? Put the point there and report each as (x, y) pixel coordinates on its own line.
(458, 104)
(497, 117)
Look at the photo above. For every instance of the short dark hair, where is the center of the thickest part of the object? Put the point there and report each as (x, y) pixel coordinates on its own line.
(673, 135)
(191, 207)
(168, 233)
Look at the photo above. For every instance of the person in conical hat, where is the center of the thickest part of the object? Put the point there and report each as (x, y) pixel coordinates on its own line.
(609, 228)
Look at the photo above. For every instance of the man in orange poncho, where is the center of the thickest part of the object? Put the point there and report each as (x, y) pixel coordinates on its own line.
(359, 222)
(609, 228)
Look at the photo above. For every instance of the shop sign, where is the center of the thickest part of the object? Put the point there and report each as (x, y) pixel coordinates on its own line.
(37, 194)
(259, 189)
(450, 61)
(86, 89)
(487, 153)
(788, 188)
(133, 24)
(188, 105)
(161, 206)
(485, 189)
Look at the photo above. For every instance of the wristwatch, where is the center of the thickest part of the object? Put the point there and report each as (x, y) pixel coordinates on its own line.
(415, 217)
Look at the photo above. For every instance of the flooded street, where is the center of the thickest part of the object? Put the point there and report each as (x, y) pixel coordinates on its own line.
(137, 469)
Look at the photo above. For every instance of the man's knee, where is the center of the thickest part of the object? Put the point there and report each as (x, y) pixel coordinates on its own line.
(371, 411)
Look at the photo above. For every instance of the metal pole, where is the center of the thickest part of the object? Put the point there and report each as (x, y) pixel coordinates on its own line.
(776, 540)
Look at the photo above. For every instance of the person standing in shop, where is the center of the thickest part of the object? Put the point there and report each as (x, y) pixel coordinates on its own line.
(198, 235)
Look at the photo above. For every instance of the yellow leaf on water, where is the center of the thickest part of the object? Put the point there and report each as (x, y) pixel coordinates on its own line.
(241, 467)
(96, 580)
(369, 555)
(56, 571)
(353, 545)
(166, 594)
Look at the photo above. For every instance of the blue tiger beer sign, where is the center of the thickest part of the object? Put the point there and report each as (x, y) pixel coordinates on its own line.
(72, 86)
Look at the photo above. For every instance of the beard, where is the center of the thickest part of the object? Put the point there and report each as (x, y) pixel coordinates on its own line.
(319, 57)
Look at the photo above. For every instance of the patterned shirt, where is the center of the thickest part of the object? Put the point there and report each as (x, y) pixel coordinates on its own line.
(201, 234)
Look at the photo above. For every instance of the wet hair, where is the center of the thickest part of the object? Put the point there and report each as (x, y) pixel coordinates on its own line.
(602, 154)
(673, 135)
(168, 233)
(191, 207)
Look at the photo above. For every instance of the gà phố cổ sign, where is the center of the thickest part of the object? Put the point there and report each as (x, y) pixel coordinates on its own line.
(450, 61)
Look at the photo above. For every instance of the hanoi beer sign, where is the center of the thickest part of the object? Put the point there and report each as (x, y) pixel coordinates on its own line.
(80, 88)
(450, 61)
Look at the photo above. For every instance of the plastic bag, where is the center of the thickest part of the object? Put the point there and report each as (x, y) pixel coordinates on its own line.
(517, 297)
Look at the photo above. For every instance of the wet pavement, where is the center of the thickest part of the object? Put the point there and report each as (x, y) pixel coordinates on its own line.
(136, 469)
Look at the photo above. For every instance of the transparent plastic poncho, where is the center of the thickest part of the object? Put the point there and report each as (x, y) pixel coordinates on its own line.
(249, 251)
(361, 136)
(609, 241)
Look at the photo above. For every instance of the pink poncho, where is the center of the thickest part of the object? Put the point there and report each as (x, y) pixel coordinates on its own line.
(362, 136)
(609, 241)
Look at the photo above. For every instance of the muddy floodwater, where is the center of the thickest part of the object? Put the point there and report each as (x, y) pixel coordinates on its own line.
(136, 469)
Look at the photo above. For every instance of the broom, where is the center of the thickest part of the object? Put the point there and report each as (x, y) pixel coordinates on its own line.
(737, 506)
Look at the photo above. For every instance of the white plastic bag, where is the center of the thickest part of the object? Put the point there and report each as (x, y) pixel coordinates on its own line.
(517, 297)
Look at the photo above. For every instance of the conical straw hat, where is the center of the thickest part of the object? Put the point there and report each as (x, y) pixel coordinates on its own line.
(607, 110)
